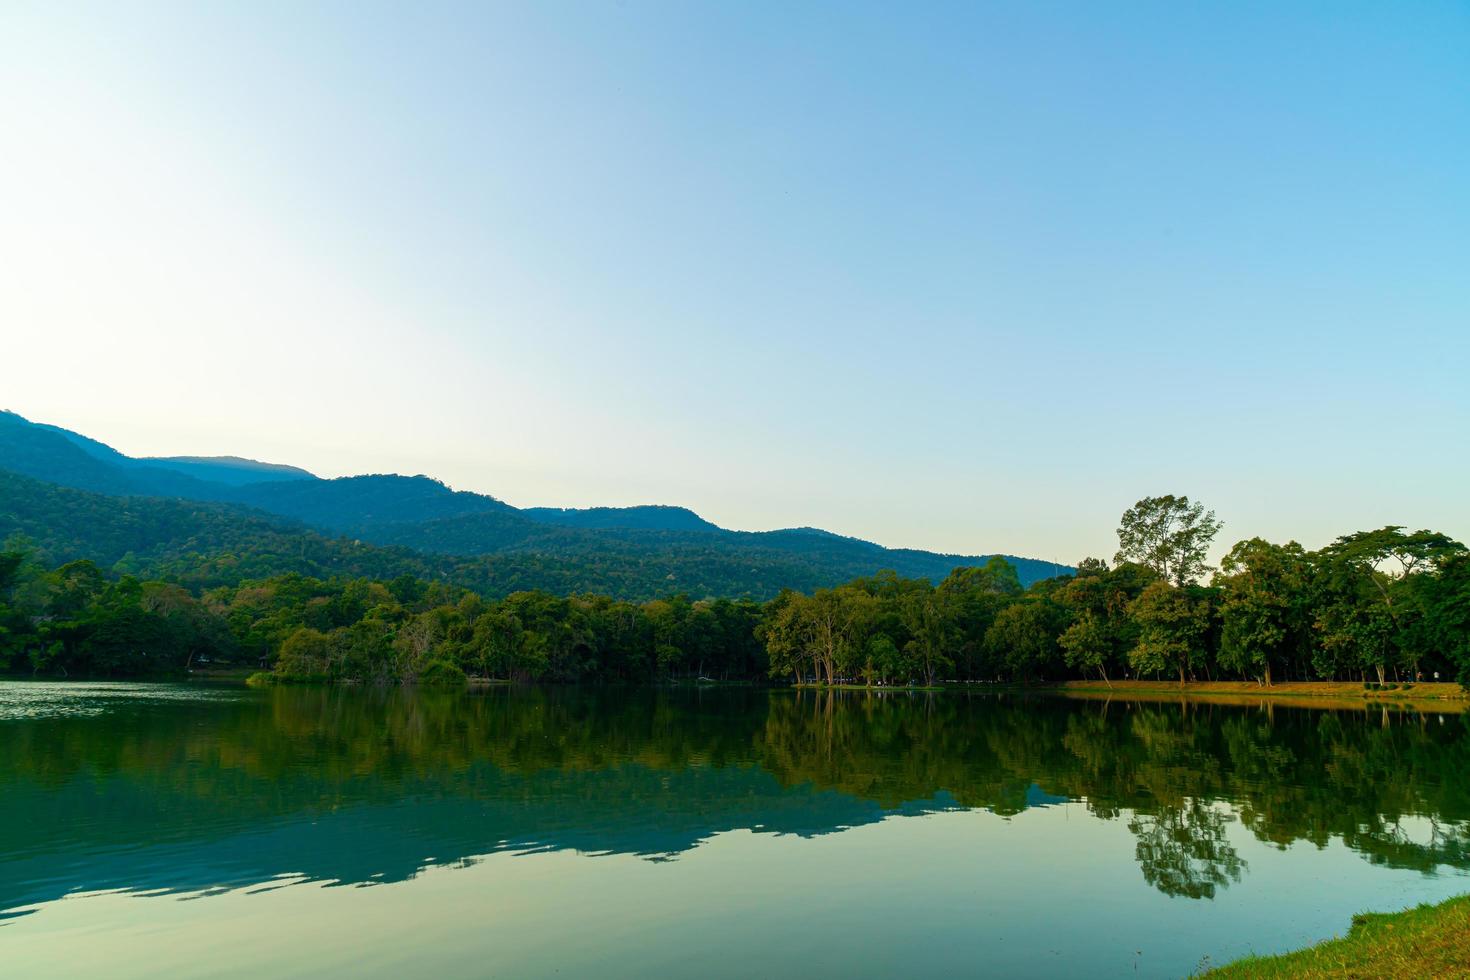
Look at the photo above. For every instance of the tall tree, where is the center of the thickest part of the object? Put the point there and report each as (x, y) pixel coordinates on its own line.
(1261, 608)
(1169, 535)
(1368, 613)
(1173, 623)
(930, 619)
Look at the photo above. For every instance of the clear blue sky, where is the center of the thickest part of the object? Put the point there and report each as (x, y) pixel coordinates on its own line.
(970, 277)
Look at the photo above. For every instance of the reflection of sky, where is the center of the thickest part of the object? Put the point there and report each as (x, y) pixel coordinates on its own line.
(164, 829)
(83, 699)
(1049, 892)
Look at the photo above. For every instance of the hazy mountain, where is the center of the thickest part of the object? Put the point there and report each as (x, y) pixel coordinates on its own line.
(625, 551)
(228, 469)
(654, 517)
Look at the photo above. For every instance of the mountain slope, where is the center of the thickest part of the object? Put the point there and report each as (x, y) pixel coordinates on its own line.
(627, 551)
(652, 517)
(355, 501)
(233, 470)
(202, 545)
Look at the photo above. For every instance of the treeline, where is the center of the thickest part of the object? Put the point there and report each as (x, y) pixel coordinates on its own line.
(1383, 606)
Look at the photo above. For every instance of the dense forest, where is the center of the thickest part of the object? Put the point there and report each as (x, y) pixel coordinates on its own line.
(1384, 606)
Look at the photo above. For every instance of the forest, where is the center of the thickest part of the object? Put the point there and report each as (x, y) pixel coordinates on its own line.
(1382, 606)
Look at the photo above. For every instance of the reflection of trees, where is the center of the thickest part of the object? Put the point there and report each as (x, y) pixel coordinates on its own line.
(1389, 786)
(1183, 851)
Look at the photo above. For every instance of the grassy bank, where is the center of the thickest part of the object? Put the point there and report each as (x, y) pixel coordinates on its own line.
(1428, 941)
(1354, 690)
(865, 687)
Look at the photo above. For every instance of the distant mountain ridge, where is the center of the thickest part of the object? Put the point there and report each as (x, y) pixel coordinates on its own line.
(228, 469)
(646, 550)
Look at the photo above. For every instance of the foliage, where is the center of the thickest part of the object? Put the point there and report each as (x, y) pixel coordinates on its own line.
(1391, 604)
(442, 673)
(1172, 626)
(1169, 535)
(145, 518)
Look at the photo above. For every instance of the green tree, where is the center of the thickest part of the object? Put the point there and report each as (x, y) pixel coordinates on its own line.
(929, 618)
(1369, 615)
(1173, 623)
(305, 655)
(1024, 637)
(1169, 535)
(1086, 646)
(1261, 610)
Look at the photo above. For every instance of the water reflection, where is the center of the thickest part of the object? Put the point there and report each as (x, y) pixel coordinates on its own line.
(183, 790)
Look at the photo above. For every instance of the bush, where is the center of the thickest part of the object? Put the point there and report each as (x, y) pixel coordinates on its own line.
(442, 673)
(261, 678)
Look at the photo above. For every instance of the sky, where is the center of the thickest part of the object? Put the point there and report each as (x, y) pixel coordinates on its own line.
(969, 277)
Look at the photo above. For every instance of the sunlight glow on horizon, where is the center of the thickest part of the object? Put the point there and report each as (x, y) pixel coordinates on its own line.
(956, 278)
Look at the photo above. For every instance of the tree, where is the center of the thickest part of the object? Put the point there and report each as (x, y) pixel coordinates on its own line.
(1447, 617)
(1086, 646)
(928, 617)
(1172, 625)
(1262, 586)
(306, 654)
(821, 631)
(1101, 632)
(1368, 613)
(1169, 535)
(1024, 636)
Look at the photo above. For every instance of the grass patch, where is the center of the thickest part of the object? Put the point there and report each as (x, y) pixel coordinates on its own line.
(865, 687)
(1427, 941)
(1299, 689)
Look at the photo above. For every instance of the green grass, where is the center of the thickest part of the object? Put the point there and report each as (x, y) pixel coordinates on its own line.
(1427, 941)
(866, 687)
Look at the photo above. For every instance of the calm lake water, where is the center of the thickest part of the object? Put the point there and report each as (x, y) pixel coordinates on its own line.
(161, 830)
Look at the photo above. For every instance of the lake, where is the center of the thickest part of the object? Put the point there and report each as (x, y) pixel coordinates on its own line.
(192, 830)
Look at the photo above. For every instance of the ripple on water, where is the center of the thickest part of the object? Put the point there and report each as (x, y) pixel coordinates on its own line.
(80, 699)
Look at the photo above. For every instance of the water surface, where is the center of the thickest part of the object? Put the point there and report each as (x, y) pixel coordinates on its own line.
(166, 830)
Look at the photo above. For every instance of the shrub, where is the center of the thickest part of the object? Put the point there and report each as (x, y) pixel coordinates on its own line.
(442, 673)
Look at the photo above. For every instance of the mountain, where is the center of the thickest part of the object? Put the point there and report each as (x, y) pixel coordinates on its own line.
(365, 501)
(276, 517)
(233, 470)
(654, 517)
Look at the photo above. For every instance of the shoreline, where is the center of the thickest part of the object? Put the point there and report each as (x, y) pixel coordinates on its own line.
(1421, 941)
(1340, 690)
(1440, 698)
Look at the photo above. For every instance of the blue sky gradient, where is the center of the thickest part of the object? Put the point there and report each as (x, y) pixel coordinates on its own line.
(970, 277)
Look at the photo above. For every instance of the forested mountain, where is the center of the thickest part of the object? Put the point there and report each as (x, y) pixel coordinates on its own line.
(653, 517)
(227, 469)
(207, 544)
(629, 552)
